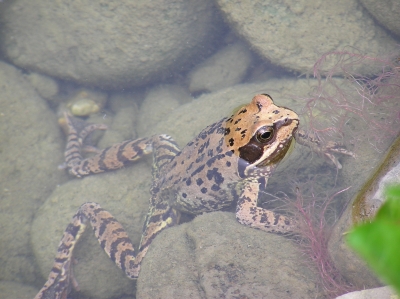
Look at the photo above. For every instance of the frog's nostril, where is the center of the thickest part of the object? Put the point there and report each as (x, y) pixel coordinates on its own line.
(283, 122)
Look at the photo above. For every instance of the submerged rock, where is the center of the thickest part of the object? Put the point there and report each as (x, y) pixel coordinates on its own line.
(294, 34)
(214, 256)
(31, 148)
(106, 44)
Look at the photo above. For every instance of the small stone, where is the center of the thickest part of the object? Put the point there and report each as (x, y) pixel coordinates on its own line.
(87, 102)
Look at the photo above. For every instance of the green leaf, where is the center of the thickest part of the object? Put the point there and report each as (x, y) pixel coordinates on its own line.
(378, 242)
(390, 210)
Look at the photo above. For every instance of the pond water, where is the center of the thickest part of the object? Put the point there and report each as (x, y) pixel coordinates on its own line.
(175, 67)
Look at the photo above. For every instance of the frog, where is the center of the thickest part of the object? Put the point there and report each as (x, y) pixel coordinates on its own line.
(224, 167)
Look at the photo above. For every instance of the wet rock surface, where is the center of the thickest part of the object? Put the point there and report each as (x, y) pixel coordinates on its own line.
(214, 256)
(108, 44)
(11, 290)
(294, 34)
(31, 149)
(386, 12)
(125, 194)
(225, 68)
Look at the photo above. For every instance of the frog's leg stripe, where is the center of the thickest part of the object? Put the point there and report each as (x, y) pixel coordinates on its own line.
(77, 132)
(112, 238)
(165, 149)
(248, 213)
(58, 283)
(114, 157)
(159, 218)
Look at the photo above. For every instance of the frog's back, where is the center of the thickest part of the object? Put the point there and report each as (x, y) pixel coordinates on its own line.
(200, 178)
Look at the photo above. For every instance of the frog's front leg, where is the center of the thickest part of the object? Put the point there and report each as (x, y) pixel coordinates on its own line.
(113, 157)
(327, 150)
(249, 214)
(112, 238)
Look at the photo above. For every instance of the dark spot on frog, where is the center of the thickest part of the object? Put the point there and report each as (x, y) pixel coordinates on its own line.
(220, 130)
(184, 195)
(237, 121)
(215, 187)
(188, 181)
(275, 111)
(228, 164)
(230, 153)
(250, 152)
(210, 153)
(213, 159)
(231, 142)
(203, 190)
(264, 219)
(203, 146)
(227, 131)
(200, 158)
(214, 174)
(219, 147)
(199, 181)
(242, 111)
(198, 170)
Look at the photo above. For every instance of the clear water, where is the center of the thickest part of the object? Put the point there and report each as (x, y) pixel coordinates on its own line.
(342, 106)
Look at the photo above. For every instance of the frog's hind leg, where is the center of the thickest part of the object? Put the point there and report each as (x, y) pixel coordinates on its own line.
(112, 238)
(248, 213)
(164, 151)
(113, 157)
(161, 215)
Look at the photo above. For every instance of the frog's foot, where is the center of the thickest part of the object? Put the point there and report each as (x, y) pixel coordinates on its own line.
(337, 148)
(77, 130)
(326, 150)
(249, 214)
(114, 157)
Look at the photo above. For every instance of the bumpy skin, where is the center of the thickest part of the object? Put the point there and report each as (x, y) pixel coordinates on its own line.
(224, 165)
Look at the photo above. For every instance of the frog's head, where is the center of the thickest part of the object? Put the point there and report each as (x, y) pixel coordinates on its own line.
(261, 133)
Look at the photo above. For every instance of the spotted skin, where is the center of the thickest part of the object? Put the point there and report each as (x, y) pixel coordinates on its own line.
(223, 166)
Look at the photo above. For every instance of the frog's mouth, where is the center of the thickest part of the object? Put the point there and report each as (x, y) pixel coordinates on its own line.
(278, 155)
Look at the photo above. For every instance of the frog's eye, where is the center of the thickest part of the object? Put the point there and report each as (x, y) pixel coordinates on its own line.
(264, 134)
